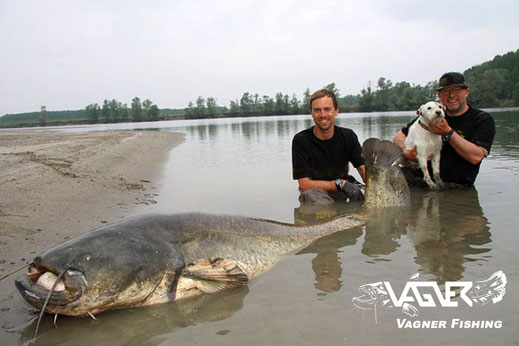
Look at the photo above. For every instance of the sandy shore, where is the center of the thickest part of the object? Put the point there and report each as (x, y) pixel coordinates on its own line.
(55, 186)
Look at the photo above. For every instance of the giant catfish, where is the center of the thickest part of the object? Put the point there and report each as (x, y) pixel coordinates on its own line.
(155, 259)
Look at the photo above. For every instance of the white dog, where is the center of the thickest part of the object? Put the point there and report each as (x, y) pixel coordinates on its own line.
(427, 143)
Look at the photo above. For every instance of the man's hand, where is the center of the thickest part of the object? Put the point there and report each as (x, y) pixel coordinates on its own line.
(410, 154)
(352, 191)
(441, 128)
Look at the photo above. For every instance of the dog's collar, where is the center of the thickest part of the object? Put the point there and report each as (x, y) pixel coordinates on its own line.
(423, 125)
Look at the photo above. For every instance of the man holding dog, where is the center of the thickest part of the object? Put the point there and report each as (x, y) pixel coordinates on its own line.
(467, 135)
(322, 153)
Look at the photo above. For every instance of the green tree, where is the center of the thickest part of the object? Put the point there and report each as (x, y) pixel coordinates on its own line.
(515, 95)
(146, 106)
(333, 89)
(93, 110)
(267, 105)
(43, 116)
(125, 113)
(416, 96)
(212, 107)
(349, 100)
(400, 99)
(190, 111)
(286, 104)
(493, 85)
(105, 111)
(256, 104)
(153, 113)
(366, 99)
(382, 97)
(234, 108)
(114, 109)
(282, 104)
(136, 110)
(200, 110)
(246, 104)
(431, 90)
(294, 106)
(307, 96)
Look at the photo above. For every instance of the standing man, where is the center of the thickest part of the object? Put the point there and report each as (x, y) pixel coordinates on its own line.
(322, 153)
(467, 135)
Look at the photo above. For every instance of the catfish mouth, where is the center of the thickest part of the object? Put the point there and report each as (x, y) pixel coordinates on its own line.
(36, 285)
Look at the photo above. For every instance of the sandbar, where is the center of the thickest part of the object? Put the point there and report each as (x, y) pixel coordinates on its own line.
(57, 185)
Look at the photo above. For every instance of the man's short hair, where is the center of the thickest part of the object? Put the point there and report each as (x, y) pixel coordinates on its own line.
(322, 93)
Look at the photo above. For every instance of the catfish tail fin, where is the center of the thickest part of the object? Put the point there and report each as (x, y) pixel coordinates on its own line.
(381, 153)
(386, 185)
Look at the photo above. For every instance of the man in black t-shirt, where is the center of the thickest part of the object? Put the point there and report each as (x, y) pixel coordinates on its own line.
(467, 135)
(322, 153)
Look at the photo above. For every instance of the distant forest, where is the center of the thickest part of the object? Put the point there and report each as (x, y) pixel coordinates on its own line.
(111, 111)
(494, 83)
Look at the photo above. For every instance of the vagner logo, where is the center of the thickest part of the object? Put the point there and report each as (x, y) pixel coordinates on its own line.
(380, 295)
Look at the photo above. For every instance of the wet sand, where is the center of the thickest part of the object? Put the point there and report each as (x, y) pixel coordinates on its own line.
(55, 186)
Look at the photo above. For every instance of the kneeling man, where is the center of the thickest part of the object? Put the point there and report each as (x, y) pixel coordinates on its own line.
(322, 153)
(467, 134)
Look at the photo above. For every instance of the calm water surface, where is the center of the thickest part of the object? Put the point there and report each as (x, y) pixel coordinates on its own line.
(243, 166)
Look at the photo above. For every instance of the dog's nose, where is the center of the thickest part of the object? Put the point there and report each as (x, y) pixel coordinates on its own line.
(439, 112)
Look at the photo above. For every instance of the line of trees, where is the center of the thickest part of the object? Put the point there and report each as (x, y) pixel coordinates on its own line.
(493, 84)
(401, 96)
(114, 111)
(252, 105)
(383, 97)
(248, 105)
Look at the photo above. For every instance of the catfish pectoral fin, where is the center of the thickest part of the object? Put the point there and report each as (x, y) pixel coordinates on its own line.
(216, 269)
(213, 275)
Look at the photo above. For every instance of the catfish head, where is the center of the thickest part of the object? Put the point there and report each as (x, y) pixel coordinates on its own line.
(115, 266)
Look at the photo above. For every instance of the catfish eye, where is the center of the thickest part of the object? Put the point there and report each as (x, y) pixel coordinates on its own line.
(88, 258)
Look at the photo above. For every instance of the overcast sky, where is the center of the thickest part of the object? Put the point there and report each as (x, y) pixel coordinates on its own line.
(67, 54)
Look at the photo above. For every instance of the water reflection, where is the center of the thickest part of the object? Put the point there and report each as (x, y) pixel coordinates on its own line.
(505, 142)
(384, 229)
(326, 264)
(143, 326)
(446, 229)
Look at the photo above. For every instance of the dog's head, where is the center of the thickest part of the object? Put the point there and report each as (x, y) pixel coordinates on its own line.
(431, 112)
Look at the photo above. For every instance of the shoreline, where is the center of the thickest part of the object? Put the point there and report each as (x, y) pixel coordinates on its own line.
(55, 186)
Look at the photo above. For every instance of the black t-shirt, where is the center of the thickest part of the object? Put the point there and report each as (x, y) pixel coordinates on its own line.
(325, 159)
(477, 127)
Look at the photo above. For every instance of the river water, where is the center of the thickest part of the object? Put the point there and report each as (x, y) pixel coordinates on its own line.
(242, 166)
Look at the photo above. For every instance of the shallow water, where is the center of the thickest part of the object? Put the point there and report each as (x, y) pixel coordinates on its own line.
(243, 166)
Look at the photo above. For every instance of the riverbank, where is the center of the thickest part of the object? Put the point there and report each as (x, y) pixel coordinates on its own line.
(55, 186)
